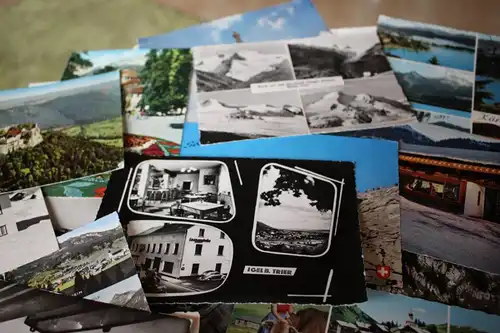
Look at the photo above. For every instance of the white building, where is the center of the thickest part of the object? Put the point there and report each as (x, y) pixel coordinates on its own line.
(19, 137)
(183, 250)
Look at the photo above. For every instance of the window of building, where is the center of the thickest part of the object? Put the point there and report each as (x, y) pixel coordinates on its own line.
(160, 246)
(3, 230)
(197, 249)
(451, 191)
(167, 248)
(209, 180)
(195, 269)
(176, 248)
(147, 250)
(201, 233)
(154, 248)
(478, 198)
(222, 235)
(218, 267)
(168, 267)
(220, 252)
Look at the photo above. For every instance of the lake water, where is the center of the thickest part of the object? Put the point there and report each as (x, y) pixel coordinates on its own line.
(437, 109)
(447, 57)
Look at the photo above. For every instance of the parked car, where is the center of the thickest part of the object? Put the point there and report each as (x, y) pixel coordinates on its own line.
(211, 276)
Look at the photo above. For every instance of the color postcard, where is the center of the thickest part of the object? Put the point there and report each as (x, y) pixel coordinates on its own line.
(153, 108)
(93, 262)
(50, 135)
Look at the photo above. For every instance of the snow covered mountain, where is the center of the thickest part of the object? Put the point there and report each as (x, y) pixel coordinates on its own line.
(248, 111)
(338, 109)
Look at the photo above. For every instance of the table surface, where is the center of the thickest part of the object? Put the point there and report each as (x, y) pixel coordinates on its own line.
(202, 206)
(42, 35)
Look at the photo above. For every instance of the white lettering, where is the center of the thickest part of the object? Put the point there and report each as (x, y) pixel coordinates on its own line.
(265, 270)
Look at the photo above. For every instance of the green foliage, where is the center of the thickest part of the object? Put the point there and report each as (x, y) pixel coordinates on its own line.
(319, 193)
(75, 62)
(434, 61)
(59, 157)
(394, 41)
(166, 76)
(109, 132)
(105, 69)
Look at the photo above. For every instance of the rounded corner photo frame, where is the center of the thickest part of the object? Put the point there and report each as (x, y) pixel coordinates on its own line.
(307, 174)
(203, 207)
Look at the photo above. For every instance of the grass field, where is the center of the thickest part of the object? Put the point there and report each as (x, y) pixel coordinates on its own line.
(42, 34)
(108, 132)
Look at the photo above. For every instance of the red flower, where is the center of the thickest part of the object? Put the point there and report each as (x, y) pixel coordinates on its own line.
(99, 192)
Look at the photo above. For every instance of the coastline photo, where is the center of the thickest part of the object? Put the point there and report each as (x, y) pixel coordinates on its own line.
(153, 110)
(347, 52)
(50, 133)
(487, 94)
(359, 103)
(237, 66)
(427, 43)
(183, 190)
(26, 232)
(246, 115)
(179, 259)
(488, 56)
(434, 85)
(90, 259)
(295, 213)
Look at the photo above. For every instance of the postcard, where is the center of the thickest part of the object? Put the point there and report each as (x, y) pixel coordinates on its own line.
(93, 262)
(199, 228)
(25, 309)
(74, 203)
(378, 193)
(446, 70)
(47, 138)
(384, 312)
(26, 232)
(294, 19)
(337, 81)
(153, 110)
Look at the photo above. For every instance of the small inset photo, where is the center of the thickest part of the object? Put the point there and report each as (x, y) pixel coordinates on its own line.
(183, 189)
(295, 212)
(179, 259)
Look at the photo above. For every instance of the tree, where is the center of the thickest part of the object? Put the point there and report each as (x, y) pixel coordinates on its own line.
(105, 69)
(432, 328)
(75, 62)
(166, 76)
(320, 193)
(434, 61)
(481, 94)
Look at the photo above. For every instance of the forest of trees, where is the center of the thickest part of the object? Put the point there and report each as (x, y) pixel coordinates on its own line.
(165, 76)
(75, 62)
(319, 193)
(59, 157)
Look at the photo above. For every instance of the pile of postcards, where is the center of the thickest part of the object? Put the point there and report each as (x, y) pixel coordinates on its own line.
(259, 173)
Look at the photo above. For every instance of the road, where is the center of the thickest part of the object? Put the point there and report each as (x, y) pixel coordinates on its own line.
(454, 238)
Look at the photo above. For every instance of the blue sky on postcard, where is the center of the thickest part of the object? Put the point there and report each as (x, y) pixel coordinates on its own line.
(295, 19)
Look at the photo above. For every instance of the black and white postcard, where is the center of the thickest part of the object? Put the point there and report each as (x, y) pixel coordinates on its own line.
(337, 81)
(26, 232)
(93, 262)
(287, 230)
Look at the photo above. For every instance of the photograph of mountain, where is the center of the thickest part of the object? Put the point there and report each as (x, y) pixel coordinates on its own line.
(295, 212)
(433, 85)
(384, 312)
(427, 43)
(90, 259)
(151, 108)
(26, 232)
(348, 52)
(487, 95)
(359, 103)
(237, 66)
(488, 56)
(239, 115)
(60, 131)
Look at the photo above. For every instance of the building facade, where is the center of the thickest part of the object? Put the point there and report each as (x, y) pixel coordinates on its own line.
(184, 251)
(18, 137)
(455, 186)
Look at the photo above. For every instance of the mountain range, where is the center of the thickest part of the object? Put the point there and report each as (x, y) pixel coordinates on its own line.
(241, 111)
(131, 299)
(451, 91)
(85, 106)
(240, 69)
(314, 61)
(338, 109)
